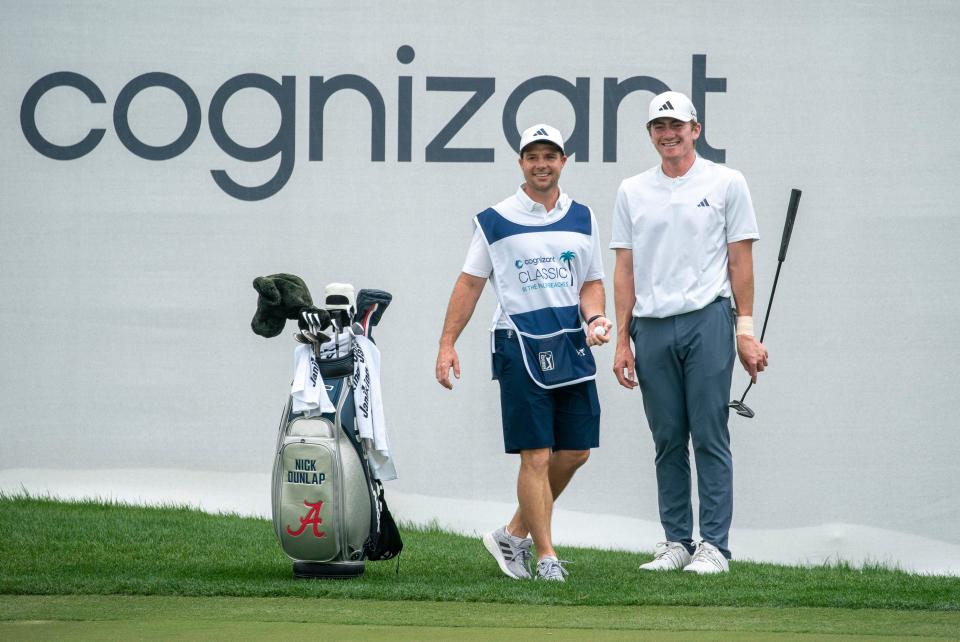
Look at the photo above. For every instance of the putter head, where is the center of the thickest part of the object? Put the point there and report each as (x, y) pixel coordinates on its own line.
(742, 409)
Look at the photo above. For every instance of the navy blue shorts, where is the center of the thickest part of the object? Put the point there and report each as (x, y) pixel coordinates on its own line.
(565, 418)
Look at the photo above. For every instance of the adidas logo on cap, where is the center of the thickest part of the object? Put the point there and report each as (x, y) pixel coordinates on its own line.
(541, 133)
(672, 104)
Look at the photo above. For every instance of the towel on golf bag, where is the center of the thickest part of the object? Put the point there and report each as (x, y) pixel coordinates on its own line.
(308, 392)
(338, 346)
(369, 406)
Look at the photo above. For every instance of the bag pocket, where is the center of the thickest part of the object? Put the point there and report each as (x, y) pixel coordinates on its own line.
(558, 359)
(307, 521)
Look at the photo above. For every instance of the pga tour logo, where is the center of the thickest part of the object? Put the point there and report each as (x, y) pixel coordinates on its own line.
(546, 361)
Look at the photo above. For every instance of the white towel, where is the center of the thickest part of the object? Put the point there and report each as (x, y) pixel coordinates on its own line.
(369, 408)
(338, 346)
(308, 392)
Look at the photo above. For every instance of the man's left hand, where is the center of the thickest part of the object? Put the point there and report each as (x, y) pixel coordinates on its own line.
(593, 337)
(752, 355)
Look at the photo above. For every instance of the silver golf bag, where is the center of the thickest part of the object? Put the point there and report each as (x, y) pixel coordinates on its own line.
(329, 513)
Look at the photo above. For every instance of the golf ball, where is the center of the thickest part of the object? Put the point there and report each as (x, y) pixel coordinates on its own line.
(600, 331)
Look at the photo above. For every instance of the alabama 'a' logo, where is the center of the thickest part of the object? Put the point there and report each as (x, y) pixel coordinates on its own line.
(312, 518)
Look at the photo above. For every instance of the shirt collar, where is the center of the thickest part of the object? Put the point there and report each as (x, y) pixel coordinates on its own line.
(697, 164)
(533, 207)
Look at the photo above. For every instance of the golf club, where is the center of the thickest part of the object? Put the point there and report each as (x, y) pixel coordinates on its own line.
(313, 321)
(741, 408)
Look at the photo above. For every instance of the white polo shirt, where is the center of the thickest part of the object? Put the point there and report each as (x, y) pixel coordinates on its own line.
(523, 210)
(678, 230)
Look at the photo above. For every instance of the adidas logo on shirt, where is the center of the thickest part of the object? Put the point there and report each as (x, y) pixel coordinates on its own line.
(667, 105)
(703, 203)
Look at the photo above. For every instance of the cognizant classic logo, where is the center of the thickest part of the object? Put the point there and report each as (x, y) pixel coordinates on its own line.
(540, 272)
(438, 149)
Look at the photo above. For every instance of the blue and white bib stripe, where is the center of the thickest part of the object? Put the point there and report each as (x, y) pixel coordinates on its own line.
(538, 271)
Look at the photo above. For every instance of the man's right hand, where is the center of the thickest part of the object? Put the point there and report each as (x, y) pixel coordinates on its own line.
(446, 359)
(623, 367)
(753, 355)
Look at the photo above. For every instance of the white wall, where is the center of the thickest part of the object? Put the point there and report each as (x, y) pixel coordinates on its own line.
(126, 283)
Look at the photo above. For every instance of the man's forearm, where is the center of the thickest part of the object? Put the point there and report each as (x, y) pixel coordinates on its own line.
(740, 265)
(463, 301)
(624, 294)
(592, 299)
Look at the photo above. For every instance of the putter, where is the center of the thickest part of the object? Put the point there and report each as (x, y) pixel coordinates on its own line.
(741, 408)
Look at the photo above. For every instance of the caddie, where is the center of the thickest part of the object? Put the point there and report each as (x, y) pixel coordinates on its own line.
(540, 250)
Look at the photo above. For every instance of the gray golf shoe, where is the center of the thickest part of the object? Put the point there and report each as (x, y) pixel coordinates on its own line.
(550, 568)
(512, 553)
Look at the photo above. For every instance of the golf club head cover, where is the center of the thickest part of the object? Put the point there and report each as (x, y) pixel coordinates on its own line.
(366, 298)
(281, 297)
(340, 300)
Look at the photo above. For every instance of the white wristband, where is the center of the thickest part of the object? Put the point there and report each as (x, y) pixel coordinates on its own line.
(745, 326)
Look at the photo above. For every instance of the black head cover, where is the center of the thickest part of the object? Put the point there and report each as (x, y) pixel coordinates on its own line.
(366, 298)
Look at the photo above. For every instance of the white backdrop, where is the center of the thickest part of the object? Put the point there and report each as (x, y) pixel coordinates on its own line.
(126, 282)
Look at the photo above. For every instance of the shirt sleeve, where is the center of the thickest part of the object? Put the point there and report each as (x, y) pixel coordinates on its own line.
(595, 271)
(478, 258)
(622, 236)
(741, 220)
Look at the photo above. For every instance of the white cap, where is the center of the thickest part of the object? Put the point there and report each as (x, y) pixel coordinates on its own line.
(672, 104)
(541, 133)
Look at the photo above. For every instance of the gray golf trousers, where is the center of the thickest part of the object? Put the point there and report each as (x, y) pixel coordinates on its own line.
(684, 364)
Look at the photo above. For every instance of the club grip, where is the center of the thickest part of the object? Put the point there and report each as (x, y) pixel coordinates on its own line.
(788, 224)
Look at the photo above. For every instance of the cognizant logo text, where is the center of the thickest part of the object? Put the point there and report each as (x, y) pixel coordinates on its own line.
(519, 263)
(322, 88)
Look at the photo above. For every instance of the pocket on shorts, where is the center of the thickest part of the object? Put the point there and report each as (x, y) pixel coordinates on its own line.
(499, 360)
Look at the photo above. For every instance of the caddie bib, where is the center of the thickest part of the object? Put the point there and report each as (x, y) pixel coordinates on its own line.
(538, 271)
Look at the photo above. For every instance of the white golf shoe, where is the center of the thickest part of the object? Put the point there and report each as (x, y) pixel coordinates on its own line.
(668, 556)
(707, 559)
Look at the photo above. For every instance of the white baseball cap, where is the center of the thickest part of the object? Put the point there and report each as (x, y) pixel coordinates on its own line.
(672, 104)
(541, 133)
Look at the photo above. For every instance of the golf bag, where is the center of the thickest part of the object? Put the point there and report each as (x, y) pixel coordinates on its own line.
(329, 513)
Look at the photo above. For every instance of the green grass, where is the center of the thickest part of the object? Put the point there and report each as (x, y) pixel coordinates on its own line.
(176, 566)
(206, 618)
(50, 547)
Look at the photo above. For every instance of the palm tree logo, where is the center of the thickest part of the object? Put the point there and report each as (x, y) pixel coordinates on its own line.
(567, 257)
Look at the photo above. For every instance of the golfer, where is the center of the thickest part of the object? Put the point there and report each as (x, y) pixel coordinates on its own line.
(541, 251)
(683, 232)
